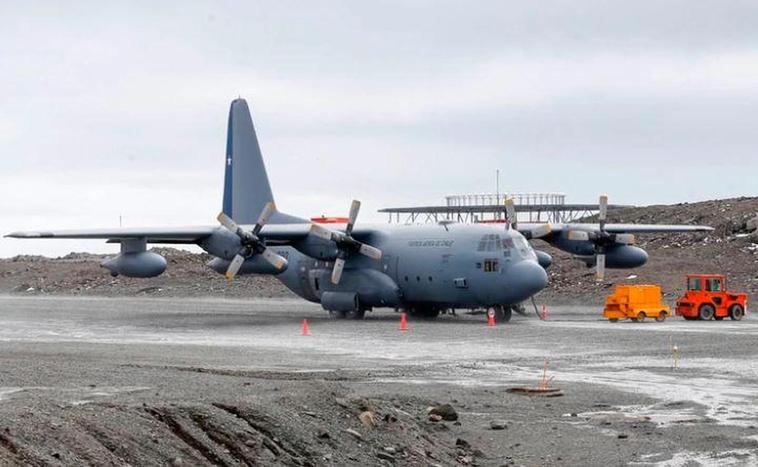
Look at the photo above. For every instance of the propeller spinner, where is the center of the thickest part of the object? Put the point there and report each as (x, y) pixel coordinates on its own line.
(346, 244)
(251, 243)
(602, 238)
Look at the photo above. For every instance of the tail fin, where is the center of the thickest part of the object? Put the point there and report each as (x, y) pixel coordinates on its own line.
(246, 186)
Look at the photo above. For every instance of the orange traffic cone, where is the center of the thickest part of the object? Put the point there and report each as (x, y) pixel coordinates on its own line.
(403, 322)
(491, 318)
(543, 317)
(306, 331)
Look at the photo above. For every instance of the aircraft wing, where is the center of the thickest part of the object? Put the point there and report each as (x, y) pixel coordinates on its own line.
(615, 228)
(177, 235)
(152, 234)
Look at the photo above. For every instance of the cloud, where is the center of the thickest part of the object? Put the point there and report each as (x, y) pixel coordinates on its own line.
(121, 108)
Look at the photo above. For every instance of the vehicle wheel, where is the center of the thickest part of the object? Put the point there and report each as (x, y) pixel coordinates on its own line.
(689, 318)
(661, 316)
(641, 316)
(736, 312)
(706, 312)
(613, 320)
(503, 314)
(718, 318)
(355, 314)
(334, 314)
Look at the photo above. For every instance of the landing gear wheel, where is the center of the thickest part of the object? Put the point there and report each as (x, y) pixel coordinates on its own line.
(736, 312)
(503, 314)
(706, 312)
(334, 314)
(355, 314)
(425, 313)
(661, 316)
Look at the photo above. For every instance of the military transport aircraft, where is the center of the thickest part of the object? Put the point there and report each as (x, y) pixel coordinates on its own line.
(350, 268)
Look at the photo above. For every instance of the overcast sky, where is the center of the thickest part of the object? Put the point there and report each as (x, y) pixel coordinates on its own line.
(111, 109)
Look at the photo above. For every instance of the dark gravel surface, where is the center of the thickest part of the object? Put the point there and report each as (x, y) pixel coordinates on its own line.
(144, 381)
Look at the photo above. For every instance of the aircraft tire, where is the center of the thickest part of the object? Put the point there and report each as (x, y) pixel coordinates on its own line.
(337, 314)
(503, 314)
(355, 314)
(425, 313)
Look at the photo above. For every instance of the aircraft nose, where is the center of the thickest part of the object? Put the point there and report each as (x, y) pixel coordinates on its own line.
(524, 279)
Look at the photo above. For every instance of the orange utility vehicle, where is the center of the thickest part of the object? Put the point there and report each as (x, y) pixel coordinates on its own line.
(707, 298)
(635, 302)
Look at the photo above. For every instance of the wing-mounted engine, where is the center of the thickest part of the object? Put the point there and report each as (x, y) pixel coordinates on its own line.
(135, 261)
(342, 244)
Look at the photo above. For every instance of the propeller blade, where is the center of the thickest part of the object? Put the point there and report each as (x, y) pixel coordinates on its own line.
(355, 208)
(321, 232)
(602, 210)
(227, 222)
(234, 266)
(578, 235)
(510, 211)
(339, 265)
(541, 230)
(600, 268)
(268, 209)
(275, 260)
(624, 239)
(370, 251)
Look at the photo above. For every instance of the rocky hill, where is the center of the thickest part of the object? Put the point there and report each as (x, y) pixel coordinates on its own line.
(731, 249)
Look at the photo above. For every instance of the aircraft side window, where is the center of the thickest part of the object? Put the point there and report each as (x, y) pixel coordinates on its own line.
(490, 265)
(482, 244)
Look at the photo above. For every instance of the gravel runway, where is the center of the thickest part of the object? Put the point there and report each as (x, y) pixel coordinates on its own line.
(145, 381)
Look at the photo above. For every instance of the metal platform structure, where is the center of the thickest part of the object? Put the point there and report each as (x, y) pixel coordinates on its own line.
(490, 207)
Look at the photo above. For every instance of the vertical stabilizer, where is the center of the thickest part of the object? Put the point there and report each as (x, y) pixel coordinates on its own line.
(246, 186)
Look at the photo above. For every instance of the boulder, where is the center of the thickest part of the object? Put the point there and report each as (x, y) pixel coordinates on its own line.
(446, 411)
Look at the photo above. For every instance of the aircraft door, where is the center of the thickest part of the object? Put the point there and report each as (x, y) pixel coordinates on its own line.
(389, 266)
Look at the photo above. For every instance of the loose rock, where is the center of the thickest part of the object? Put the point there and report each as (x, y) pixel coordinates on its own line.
(446, 411)
(498, 424)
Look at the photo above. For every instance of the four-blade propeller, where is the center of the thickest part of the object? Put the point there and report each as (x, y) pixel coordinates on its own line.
(602, 239)
(346, 244)
(251, 244)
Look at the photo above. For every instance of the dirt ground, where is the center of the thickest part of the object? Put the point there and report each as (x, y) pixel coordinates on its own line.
(145, 381)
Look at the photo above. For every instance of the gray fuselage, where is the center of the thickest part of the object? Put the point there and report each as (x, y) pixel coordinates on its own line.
(453, 265)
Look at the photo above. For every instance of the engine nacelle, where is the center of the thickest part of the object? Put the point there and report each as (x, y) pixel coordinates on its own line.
(620, 257)
(254, 265)
(136, 264)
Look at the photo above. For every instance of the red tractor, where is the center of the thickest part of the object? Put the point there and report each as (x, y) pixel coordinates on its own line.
(706, 298)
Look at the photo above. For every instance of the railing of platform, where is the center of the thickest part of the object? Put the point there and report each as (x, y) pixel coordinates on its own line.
(491, 199)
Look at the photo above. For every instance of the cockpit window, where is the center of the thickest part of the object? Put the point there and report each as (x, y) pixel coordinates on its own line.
(490, 242)
(523, 247)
